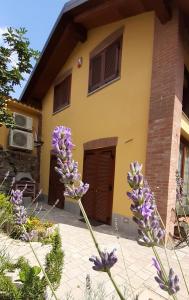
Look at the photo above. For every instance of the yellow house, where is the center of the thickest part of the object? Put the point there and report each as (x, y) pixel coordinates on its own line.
(18, 153)
(114, 72)
(15, 106)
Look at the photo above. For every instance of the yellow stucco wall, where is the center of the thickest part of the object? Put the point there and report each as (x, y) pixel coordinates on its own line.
(185, 126)
(120, 109)
(14, 106)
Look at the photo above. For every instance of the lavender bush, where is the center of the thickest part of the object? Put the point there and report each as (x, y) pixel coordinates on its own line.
(33, 287)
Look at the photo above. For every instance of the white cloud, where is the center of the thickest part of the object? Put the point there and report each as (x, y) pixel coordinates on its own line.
(14, 59)
(14, 56)
(2, 30)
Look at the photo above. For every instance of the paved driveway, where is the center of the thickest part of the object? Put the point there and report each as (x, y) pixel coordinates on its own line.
(78, 247)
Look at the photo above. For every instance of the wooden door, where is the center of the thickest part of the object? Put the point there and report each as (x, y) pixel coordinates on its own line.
(56, 188)
(98, 171)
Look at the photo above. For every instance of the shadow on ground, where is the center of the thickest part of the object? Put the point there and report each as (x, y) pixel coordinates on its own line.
(60, 216)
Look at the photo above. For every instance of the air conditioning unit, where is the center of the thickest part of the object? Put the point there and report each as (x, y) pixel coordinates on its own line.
(22, 121)
(21, 139)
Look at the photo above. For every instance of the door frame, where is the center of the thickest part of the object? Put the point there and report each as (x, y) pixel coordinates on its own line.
(113, 148)
(61, 203)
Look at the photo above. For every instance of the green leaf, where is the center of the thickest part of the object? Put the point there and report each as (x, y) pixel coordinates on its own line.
(23, 276)
(36, 270)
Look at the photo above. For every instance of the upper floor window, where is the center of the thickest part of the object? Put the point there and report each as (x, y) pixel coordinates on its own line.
(62, 92)
(105, 65)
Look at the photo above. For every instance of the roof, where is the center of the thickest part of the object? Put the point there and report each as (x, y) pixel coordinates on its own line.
(75, 19)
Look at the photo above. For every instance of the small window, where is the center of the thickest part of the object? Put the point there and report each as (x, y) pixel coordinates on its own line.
(62, 93)
(105, 66)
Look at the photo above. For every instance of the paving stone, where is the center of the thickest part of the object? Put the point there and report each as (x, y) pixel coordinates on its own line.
(78, 247)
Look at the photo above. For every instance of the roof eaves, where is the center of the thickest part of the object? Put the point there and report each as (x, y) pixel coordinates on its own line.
(68, 6)
(72, 4)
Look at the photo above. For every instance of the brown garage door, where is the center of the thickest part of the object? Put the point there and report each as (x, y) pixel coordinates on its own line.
(98, 171)
(56, 188)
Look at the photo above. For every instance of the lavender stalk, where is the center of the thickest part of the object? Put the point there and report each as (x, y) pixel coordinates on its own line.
(150, 232)
(76, 189)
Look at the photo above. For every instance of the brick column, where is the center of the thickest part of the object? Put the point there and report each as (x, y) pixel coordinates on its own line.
(165, 115)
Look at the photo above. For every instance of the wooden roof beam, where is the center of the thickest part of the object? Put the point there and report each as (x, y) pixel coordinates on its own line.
(183, 5)
(162, 10)
(91, 17)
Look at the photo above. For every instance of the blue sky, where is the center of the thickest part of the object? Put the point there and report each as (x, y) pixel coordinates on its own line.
(37, 16)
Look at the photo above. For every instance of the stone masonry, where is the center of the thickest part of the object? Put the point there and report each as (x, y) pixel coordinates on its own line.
(17, 161)
(165, 115)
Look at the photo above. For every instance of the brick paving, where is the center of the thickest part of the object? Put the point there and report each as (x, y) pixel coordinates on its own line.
(78, 247)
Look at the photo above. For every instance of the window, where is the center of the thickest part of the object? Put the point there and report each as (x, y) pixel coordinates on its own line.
(62, 93)
(183, 167)
(105, 65)
(185, 102)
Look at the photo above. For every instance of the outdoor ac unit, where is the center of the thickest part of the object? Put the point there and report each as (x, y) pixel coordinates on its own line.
(22, 121)
(20, 139)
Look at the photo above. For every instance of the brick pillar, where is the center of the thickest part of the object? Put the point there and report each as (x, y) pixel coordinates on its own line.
(165, 115)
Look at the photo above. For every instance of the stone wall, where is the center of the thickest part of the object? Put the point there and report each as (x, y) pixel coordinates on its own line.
(17, 161)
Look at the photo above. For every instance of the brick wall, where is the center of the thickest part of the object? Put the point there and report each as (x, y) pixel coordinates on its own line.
(165, 115)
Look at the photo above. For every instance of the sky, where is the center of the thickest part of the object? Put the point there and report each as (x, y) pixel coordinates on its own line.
(37, 16)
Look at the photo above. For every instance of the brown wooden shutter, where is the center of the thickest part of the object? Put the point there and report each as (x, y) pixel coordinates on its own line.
(62, 93)
(111, 64)
(95, 79)
(89, 176)
(98, 171)
(56, 188)
(104, 183)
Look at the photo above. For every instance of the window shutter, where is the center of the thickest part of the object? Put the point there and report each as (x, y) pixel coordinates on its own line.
(95, 72)
(62, 93)
(111, 68)
(105, 65)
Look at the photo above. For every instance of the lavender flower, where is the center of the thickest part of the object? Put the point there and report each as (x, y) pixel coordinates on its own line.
(68, 171)
(20, 214)
(66, 167)
(76, 192)
(28, 236)
(145, 215)
(61, 142)
(170, 285)
(105, 262)
(16, 197)
(144, 208)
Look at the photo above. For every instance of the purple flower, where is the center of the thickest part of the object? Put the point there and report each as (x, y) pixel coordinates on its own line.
(156, 264)
(61, 142)
(135, 167)
(66, 167)
(170, 284)
(28, 236)
(16, 197)
(146, 210)
(76, 192)
(105, 262)
(68, 171)
(20, 214)
(143, 208)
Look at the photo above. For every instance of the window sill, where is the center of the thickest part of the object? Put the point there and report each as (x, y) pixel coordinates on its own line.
(60, 109)
(104, 85)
